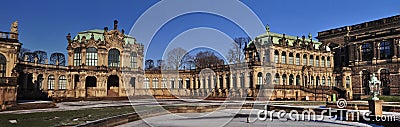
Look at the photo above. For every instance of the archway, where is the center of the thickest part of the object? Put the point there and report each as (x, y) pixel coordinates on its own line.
(113, 86)
(90, 82)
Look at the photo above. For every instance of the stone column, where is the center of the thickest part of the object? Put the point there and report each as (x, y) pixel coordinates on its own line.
(226, 81)
(246, 79)
(395, 48)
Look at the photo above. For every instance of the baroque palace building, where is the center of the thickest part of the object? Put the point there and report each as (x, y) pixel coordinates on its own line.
(365, 49)
(108, 63)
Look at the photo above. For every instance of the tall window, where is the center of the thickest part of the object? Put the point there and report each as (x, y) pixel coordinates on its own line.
(348, 82)
(155, 83)
(311, 63)
(276, 80)
(172, 83)
(113, 58)
(259, 78)
(133, 60)
(291, 79)
(297, 59)
(328, 61)
(284, 77)
(77, 57)
(323, 61)
(305, 60)
(180, 83)
(323, 81)
(50, 82)
(317, 61)
(283, 58)
(62, 83)
(3, 62)
(188, 83)
(276, 57)
(146, 83)
(241, 80)
(367, 52)
(164, 83)
(385, 50)
(91, 56)
(291, 58)
(329, 81)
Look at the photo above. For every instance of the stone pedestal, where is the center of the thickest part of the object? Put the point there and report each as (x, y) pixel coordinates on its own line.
(375, 106)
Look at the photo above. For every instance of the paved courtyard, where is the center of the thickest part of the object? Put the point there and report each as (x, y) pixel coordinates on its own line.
(226, 118)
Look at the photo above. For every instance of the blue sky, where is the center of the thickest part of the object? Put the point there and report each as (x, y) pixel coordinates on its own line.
(43, 24)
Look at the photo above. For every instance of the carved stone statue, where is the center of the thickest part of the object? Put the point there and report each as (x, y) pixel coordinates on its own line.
(14, 30)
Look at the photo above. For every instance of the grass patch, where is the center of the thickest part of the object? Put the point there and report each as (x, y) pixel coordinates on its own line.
(386, 98)
(62, 118)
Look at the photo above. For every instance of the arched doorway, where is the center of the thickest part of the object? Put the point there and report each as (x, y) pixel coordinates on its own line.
(90, 83)
(113, 86)
(384, 77)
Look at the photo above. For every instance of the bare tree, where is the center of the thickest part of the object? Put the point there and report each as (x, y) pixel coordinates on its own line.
(149, 64)
(21, 55)
(236, 53)
(41, 55)
(175, 57)
(206, 59)
(57, 57)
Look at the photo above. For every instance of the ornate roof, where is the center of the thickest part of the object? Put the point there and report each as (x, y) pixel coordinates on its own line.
(286, 40)
(99, 34)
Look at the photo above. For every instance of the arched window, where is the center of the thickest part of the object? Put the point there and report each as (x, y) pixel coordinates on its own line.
(385, 80)
(328, 61)
(3, 64)
(50, 82)
(323, 61)
(77, 56)
(338, 81)
(318, 83)
(91, 81)
(367, 52)
(276, 56)
(317, 61)
(291, 79)
(323, 81)
(298, 80)
(146, 83)
(164, 83)
(385, 50)
(305, 60)
(291, 58)
(62, 82)
(276, 80)
(268, 78)
(366, 76)
(155, 83)
(329, 81)
(91, 56)
(284, 79)
(133, 60)
(311, 63)
(297, 59)
(283, 58)
(113, 58)
(259, 78)
(348, 82)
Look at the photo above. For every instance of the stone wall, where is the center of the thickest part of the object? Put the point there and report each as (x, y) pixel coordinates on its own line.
(8, 96)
